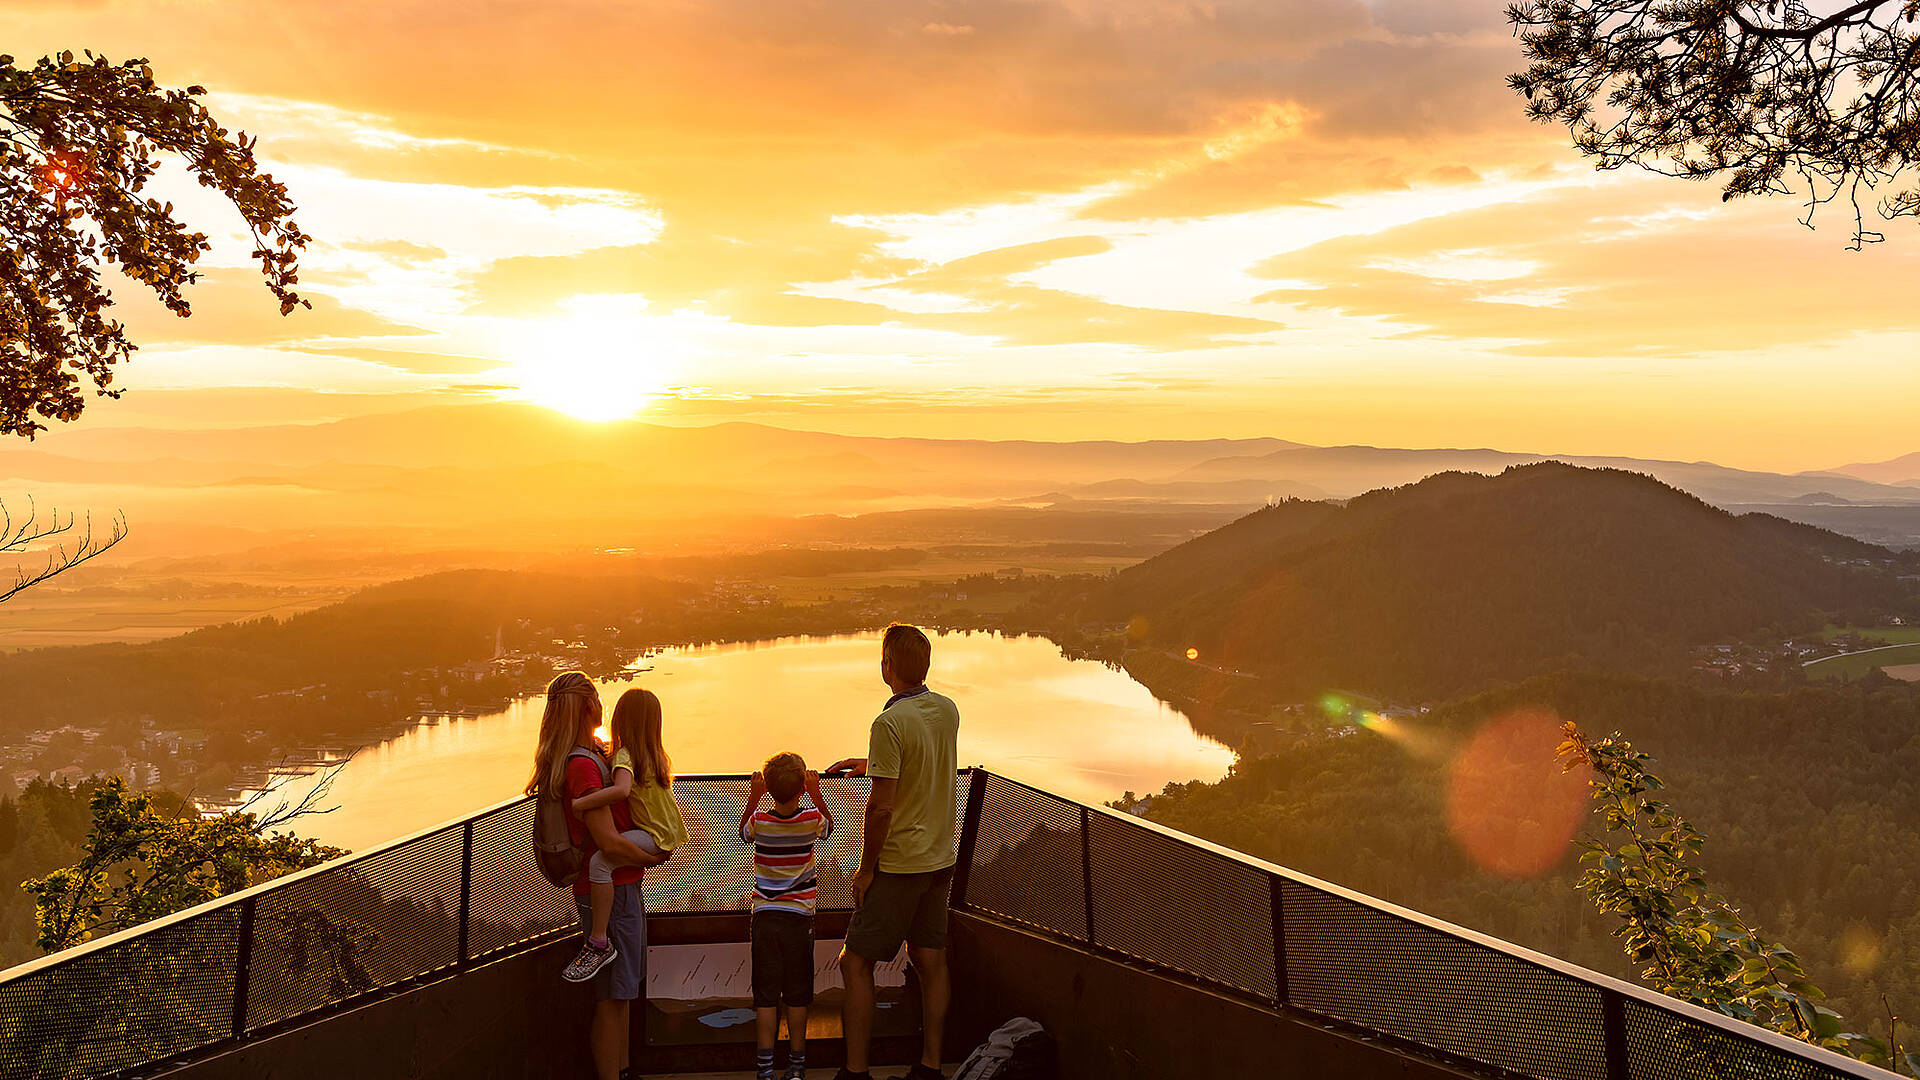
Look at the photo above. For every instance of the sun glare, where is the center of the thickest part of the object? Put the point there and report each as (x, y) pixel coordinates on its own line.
(591, 368)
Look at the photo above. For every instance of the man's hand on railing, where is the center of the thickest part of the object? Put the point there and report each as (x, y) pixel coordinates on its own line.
(853, 766)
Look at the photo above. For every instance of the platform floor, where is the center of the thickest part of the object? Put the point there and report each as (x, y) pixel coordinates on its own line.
(880, 1073)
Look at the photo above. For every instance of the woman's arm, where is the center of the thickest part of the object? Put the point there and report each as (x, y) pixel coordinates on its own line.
(615, 846)
(615, 792)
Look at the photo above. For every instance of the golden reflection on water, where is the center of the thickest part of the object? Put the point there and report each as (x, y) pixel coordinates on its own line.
(1072, 725)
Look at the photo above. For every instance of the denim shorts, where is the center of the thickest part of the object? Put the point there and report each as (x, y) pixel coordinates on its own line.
(625, 978)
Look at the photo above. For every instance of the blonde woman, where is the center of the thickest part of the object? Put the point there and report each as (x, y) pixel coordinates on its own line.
(569, 763)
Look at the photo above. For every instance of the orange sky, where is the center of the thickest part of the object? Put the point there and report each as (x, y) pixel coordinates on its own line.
(1323, 220)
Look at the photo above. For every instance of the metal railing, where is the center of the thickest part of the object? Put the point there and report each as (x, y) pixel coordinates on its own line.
(412, 911)
(1148, 896)
(428, 906)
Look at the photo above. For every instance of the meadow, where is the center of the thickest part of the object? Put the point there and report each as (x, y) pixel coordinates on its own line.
(1857, 665)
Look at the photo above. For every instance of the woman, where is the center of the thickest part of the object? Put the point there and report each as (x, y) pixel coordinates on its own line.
(569, 763)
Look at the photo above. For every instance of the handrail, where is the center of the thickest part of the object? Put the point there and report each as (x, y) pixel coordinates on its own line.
(41, 963)
(1607, 984)
(1614, 993)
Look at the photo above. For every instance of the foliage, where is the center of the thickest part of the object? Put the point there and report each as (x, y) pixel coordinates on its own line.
(143, 861)
(1689, 941)
(79, 141)
(1765, 95)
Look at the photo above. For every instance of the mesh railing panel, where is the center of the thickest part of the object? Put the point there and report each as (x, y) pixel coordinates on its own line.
(509, 901)
(394, 916)
(1182, 906)
(1027, 859)
(1663, 1045)
(158, 995)
(371, 923)
(1369, 967)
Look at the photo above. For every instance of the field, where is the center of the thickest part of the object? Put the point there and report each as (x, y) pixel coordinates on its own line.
(49, 616)
(1858, 664)
(1882, 635)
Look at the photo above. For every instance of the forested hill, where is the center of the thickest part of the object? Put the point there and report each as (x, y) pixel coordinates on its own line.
(1810, 801)
(1463, 580)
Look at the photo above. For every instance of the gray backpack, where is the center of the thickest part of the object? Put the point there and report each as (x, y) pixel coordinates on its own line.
(1019, 1049)
(558, 858)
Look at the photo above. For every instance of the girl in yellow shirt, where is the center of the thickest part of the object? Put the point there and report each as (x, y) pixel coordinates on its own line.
(643, 777)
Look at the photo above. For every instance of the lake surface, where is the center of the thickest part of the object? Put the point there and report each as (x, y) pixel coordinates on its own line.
(1075, 726)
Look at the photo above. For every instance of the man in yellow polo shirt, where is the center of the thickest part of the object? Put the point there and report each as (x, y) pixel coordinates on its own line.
(906, 859)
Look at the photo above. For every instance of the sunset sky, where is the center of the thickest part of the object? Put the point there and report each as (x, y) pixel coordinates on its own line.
(1325, 221)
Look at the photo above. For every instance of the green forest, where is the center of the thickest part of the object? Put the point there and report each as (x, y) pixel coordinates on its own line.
(1810, 800)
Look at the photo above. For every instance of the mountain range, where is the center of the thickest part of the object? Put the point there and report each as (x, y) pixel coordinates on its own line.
(523, 478)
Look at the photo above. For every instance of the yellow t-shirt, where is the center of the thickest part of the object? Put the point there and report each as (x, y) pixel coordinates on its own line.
(652, 807)
(914, 742)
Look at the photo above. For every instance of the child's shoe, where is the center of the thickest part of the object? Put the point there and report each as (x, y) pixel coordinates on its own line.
(590, 960)
(796, 1066)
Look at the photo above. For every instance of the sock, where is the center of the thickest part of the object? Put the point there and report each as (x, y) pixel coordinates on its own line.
(597, 942)
(763, 1063)
(797, 1058)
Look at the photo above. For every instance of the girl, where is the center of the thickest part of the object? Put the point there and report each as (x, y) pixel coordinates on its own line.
(643, 776)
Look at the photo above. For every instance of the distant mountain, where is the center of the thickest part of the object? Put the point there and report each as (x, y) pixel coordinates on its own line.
(1349, 470)
(1463, 580)
(1903, 470)
(521, 478)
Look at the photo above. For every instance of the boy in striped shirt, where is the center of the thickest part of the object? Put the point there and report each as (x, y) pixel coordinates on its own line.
(785, 886)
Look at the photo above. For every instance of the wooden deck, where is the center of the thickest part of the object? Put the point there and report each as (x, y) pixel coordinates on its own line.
(880, 1072)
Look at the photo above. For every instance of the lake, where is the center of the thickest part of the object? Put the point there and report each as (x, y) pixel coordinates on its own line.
(1075, 726)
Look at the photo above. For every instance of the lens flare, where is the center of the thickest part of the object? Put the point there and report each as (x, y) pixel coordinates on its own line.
(1418, 743)
(1193, 654)
(1861, 949)
(1510, 806)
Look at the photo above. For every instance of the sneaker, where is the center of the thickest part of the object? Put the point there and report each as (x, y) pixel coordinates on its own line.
(589, 962)
(799, 1072)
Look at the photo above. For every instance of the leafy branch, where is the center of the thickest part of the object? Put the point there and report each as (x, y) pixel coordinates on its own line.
(1689, 941)
(80, 139)
(144, 860)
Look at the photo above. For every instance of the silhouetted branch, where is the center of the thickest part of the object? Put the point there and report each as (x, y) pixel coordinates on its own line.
(20, 537)
(1761, 94)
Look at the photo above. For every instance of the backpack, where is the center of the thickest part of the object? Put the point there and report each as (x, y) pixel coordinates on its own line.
(554, 852)
(1019, 1049)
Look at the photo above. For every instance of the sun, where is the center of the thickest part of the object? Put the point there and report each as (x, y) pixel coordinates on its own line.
(591, 368)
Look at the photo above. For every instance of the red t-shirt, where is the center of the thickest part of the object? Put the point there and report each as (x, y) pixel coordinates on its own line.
(583, 778)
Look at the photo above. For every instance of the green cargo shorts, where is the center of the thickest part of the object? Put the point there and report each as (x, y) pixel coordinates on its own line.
(901, 907)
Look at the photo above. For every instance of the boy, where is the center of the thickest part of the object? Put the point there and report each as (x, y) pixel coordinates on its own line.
(784, 889)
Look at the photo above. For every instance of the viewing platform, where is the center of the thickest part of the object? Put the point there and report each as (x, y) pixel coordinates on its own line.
(1145, 952)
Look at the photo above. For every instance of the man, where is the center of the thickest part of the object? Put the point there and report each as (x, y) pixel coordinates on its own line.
(906, 858)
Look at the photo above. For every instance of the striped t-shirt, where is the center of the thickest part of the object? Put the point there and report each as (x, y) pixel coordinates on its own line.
(783, 866)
